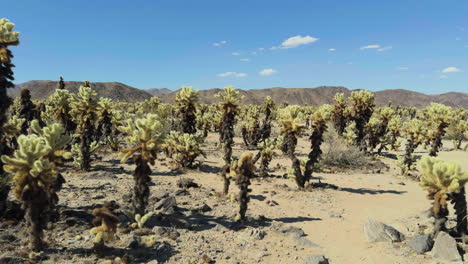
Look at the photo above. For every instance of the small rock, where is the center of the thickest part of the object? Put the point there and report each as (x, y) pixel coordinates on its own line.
(291, 231)
(421, 244)
(99, 175)
(380, 232)
(153, 262)
(166, 204)
(302, 241)
(201, 209)
(186, 183)
(181, 192)
(166, 232)
(272, 203)
(257, 234)
(316, 259)
(445, 248)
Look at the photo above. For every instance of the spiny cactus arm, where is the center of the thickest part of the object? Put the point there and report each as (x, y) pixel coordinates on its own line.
(7, 34)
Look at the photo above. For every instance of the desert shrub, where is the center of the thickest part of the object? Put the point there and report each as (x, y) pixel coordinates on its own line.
(338, 153)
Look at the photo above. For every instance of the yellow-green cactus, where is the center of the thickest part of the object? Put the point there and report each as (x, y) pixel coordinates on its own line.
(187, 101)
(145, 136)
(183, 148)
(7, 34)
(443, 180)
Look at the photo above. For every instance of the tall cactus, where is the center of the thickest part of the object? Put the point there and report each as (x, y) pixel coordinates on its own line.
(8, 37)
(362, 107)
(438, 118)
(319, 127)
(229, 107)
(340, 113)
(414, 131)
(36, 177)
(444, 182)
(242, 171)
(83, 111)
(187, 100)
(146, 135)
(267, 108)
(290, 118)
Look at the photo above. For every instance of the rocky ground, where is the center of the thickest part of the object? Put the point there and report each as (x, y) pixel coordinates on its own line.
(364, 216)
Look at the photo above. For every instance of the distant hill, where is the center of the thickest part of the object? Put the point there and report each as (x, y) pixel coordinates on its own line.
(324, 95)
(311, 96)
(157, 91)
(113, 90)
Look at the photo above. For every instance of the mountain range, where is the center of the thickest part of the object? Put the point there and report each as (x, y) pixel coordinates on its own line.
(301, 96)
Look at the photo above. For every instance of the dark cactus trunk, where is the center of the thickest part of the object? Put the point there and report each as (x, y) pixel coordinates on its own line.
(189, 119)
(27, 110)
(85, 143)
(437, 143)
(36, 204)
(459, 204)
(6, 78)
(61, 84)
(266, 126)
(227, 135)
(142, 178)
(226, 180)
(289, 146)
(265, 161)
(316, 140)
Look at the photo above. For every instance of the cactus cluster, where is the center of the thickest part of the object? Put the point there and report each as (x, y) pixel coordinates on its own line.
(444, 181)
(187, 101)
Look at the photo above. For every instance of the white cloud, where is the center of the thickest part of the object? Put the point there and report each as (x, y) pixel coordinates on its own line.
(253, 53)
(451, 69)
(332, 49)
(295, 41)
(235, 53)
(370, 47)
(385, 48)
(261, 48)
(234, 74)
(402, 68)
(222, 42)
(244, 59)
(443, 76)
(267, 72)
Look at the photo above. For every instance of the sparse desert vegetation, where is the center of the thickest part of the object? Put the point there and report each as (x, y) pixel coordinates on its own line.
(87, 179)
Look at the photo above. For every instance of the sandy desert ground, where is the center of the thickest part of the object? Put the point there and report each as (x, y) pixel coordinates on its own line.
(200, 229)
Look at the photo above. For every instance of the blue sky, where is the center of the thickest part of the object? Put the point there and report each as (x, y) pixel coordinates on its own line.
(375, 45)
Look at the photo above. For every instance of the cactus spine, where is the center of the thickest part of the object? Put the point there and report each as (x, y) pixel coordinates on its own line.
(243, 170)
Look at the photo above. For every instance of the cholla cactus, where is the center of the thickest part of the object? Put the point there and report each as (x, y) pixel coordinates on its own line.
(58, 108)
(268, 107)
(187, 101)
(27, 110)
(340, 113)
(61, 84)
(104, 118)
(391, 139)
(250, 126)
(362, 107)
(438, 117)
(349, 133)
(290, 118)
(414, 131)
(8, 37)
(267, 153)
(83, 112)
(243, 169)
(35, 176)
(105, 227)
(78, 154)
(319, 127)
(444, 181)
(146, 135)
(458, 131)
(229, 107)
(184, 148)
(377, 126)
(149, 106)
